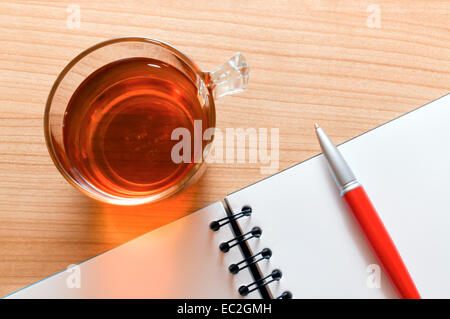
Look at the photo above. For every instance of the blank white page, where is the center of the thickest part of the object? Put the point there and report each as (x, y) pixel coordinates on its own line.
(179, 260)
(404, 166)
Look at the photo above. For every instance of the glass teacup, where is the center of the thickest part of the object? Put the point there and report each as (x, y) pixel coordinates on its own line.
(114, 116)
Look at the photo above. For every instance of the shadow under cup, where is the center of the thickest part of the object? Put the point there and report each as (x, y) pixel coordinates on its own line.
(125, 120)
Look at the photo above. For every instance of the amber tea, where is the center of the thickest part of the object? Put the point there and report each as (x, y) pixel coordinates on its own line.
(118, 124)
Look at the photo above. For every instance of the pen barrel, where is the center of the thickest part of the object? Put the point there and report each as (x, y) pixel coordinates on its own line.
(381, 242)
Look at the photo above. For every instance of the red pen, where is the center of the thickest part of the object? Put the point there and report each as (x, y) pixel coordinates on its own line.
(367, 217)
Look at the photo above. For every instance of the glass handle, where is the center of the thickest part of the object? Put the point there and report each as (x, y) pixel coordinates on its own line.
(229, 78)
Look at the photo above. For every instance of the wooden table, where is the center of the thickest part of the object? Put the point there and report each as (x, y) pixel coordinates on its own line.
(348, 65)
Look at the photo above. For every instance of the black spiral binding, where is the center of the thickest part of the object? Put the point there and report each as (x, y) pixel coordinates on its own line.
(275, 275)
(285, 295)
(215, 225)
(249, 261)
(254, 233)
(266, 253)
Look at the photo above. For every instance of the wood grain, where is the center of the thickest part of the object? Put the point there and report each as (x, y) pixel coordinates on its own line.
(310, 61)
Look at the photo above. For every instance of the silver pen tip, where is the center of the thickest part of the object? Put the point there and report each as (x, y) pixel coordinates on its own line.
(316, 125)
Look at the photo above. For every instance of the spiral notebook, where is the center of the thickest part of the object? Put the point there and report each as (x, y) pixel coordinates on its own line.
(290, 235)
